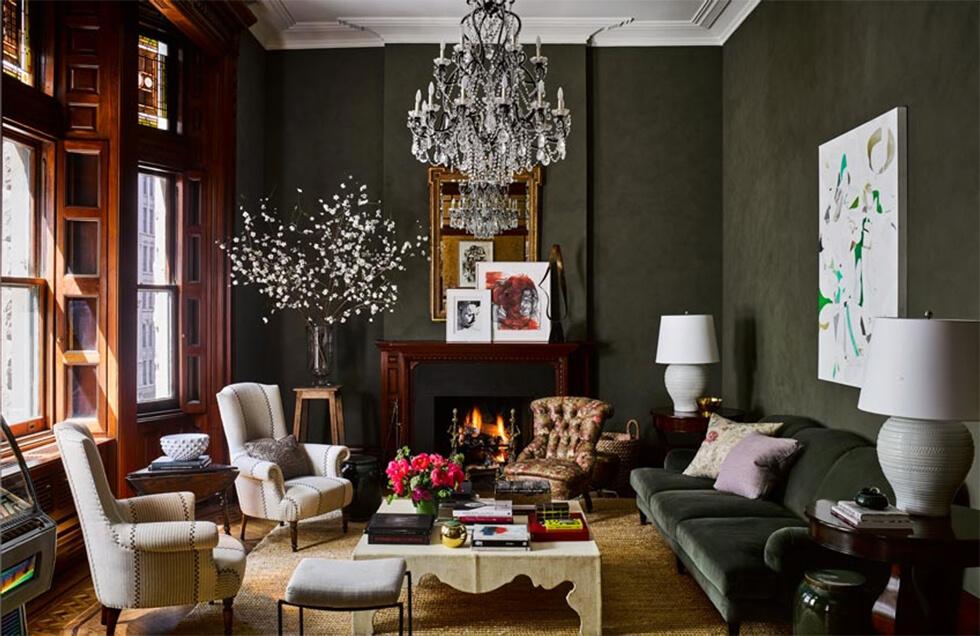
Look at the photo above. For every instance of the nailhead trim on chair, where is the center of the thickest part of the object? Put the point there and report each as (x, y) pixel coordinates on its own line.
(183, 504)
(268, 406)
(319, 494)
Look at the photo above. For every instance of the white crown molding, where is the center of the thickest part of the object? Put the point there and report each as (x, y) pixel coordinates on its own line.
(711, 25)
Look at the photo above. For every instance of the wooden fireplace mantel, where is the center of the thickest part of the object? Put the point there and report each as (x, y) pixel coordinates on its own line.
(399, 359)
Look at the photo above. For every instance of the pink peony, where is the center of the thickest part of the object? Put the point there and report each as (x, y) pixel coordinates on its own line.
(420, 462)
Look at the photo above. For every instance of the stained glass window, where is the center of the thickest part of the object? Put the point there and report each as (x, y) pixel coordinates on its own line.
(152, 83)
(16, 40)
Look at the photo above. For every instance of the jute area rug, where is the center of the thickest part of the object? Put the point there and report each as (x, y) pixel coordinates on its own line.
(641, 592)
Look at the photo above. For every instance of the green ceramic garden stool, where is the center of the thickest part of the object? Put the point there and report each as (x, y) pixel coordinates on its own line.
(364, 473)
(832, 602)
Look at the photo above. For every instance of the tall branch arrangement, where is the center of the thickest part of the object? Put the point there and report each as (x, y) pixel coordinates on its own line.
(329, 263)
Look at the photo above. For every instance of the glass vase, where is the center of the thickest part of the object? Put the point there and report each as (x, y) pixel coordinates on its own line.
(320, 351)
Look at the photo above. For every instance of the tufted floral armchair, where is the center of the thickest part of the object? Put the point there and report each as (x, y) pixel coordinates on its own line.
(563, 449)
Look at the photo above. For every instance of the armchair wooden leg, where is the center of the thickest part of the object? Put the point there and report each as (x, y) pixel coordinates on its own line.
(588, 501)
(244, 522)
(227, 613)
(293, 532)
(110, 616)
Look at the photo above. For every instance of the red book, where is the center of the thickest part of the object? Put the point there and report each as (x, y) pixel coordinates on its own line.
(485, 520)
(540, 533)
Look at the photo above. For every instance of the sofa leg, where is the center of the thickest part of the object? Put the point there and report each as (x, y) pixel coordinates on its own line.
(227, 613)
(733, 627)
(679, 565)
(343, 519)
(110, 616)
(643, 519)
(241, 536)
(588, 501)
(293, 532)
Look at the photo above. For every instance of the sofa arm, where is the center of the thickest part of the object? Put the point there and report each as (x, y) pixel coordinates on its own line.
(327, 460)
(678, 459)
(258, 469)
(168, 506)
(167, 536)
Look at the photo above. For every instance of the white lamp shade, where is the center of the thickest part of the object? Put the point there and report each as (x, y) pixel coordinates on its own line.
(687, 339)
(923, 369)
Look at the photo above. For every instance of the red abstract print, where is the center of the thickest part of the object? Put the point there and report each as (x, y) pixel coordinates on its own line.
(515, 300)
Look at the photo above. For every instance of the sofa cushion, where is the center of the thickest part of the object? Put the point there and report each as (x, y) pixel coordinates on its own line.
(792, 424)
(852, 471)
(285, 453)
(649, 481)
(756, 465)
(722, 436)
(671, 508)
(823, 447)
(730, 553)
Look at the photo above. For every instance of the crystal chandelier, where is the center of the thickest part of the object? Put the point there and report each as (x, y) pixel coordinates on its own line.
(484, 209)
(486, 114)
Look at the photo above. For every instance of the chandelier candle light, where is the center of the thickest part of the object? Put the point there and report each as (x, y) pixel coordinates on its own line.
(486, 115)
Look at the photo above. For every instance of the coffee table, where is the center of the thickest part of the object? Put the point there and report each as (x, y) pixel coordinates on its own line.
(547, 564)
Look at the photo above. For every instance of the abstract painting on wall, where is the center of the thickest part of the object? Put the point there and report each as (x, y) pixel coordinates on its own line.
(861, 242)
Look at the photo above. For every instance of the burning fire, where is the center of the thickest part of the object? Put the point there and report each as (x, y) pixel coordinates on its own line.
(474, 424)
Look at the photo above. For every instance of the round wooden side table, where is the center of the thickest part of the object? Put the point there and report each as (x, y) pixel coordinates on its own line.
(927, 564)
(216, 479)
(685, 430)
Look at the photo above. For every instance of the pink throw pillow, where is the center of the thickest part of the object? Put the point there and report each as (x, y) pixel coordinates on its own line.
(755, 465)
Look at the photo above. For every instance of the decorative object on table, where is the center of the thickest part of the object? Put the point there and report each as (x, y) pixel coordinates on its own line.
(708, 405)
(182, 447)
(832, 602)
(520, 296)
(757, 465)
(330, 262)
(721, 438)
(468, 314)
(558, 307)
(888, 518)
(924, 373)
(512, 536)
(469, 254)
(284, 453)
(871, 498)
(453, 533)
(625, 448)
(486, 115)
(862, 185)
(364, 474)
(553, 510)
(425, 478)
(523, 491)
(165, 463)
(335, 411)
(407, 529)
(686, 344)
(328, 585)
(572, 528)
(446, 242)
(251, 411)
(562, 450)
(491, 511)
(145, 552)
(203, 483)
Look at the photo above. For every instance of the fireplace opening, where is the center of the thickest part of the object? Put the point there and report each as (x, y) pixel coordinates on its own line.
(489, 431)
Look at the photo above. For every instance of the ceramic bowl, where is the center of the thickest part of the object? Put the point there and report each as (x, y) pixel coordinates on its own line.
(184, 446)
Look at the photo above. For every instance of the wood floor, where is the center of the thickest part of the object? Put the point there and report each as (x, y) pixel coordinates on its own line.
(72, 602)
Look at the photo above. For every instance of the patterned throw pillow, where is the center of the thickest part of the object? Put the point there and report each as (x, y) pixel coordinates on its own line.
(285, 452)
(722, 436)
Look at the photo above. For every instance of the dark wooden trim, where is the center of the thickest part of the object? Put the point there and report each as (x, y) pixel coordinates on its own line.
(30, 109)
(213, 25)
(399, 359)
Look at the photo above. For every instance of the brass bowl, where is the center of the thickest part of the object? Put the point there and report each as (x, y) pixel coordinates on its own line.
(708, 405)
(453, 534)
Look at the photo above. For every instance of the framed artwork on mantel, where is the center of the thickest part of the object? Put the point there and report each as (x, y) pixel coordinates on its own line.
(455, 254)
(862, 180)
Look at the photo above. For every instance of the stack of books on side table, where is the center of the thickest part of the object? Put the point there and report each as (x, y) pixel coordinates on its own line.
(501, 537)
(167, 464)
(399, 529)
(891, 518)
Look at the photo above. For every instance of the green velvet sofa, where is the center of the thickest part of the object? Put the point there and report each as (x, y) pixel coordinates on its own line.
(749, 555)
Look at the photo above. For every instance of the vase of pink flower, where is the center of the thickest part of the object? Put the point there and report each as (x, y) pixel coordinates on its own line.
(427, 478)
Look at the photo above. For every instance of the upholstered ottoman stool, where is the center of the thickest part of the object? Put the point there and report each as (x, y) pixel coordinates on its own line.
(347, 586)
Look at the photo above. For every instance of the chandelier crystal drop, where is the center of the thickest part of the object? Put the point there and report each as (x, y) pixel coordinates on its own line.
(486, 113)
(484, 209)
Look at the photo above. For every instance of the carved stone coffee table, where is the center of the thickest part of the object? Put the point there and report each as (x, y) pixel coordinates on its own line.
(547, 564)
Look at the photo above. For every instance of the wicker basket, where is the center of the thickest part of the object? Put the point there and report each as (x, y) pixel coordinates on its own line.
(625, 447)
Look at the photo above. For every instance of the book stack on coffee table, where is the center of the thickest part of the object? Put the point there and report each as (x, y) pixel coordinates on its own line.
(509, 536)
(401, 529)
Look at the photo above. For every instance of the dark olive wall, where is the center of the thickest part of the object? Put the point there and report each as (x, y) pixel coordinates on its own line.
(796, 74)
(656, 181)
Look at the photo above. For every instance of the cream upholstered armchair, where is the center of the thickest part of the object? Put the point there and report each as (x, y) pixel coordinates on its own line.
(146, 551)
(251, 411)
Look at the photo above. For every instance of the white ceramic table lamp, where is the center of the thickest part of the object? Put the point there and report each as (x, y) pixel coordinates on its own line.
(925, 374)
(686, 343)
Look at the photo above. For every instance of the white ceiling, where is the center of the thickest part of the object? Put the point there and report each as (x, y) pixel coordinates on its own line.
(315, 24)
